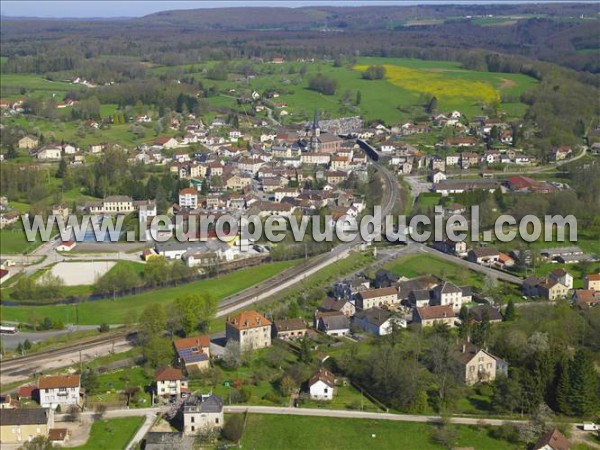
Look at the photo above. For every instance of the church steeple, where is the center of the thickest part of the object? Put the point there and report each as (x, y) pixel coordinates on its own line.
(316, 130)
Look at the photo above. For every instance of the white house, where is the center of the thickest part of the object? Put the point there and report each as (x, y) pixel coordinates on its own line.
(171, 382)
(378, 321)
(322, 385)
(202, 413)
(66, 246)
(57, 390)
(188, 198)
(563, 277)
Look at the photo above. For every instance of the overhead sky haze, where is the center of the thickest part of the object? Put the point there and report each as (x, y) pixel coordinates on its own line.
(110, 8)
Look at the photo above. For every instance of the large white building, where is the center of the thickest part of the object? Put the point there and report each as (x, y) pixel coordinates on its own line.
(188, 198)
(63, 390)
(201, 414)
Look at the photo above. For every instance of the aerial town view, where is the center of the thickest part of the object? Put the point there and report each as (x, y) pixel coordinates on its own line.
(300, 225)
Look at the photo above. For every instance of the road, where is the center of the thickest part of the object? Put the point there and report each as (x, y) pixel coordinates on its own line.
(11, 341)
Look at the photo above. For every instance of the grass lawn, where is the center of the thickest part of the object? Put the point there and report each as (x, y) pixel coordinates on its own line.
(128, 309)
(414, 265)
(112, 434)
(306, 433)
(429, 199)
(13, 241)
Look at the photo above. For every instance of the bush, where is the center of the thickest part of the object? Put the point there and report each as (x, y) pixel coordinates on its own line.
(234, 428)
(374, 73)
(323, 84)
(272, 397)
(103, 328)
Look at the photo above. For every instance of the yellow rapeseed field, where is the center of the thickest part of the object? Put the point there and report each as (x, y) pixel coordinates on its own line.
(443, 86)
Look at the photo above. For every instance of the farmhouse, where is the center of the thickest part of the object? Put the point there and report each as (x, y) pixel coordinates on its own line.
(19, 425)
(592, 281)
(428, 316)
(479, 365)
(170, 382)
(193, 352)
(290, 329)
(321, 385)
(485, 256)
(333, 324)
(377, 297)
(250, 330)
(378, 321)
(28, 142)
(202, 413)
(59, 390)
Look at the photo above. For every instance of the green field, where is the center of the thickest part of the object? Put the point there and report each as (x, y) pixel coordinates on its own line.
(415, 265)
(128, 309)
(112, 434)
(13, 242)
(35, 85)
(307, 433)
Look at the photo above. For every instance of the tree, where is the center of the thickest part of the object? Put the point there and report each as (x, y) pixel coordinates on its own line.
(507, 394)
(563, 388)
(374, 73)
(305, 354)
(323, 84)
(287, 385)
(432, 105)
(27, 344)
(152, 322)
(509, 312)
(234, 428)
(38, 443)
(358, 98)
(62, 168)
(158, 352)
(584, 384)
(89, 380)
(233, 357)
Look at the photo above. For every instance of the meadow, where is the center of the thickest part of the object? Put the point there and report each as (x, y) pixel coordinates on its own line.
(112, 434)
(298, 432)
(127, 309)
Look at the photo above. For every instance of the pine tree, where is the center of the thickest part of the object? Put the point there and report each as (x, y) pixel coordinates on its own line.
(62, 169)
(509, 312)
(563, 388)
(584, 384)
(358, 97)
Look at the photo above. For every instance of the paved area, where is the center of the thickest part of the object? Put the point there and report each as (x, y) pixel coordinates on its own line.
(81, 273)
(11, 341)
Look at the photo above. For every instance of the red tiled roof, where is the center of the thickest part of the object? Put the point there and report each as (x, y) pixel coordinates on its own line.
(435, 312)
(196, 341)
(248, 319)
(58, 381)
(169, 373)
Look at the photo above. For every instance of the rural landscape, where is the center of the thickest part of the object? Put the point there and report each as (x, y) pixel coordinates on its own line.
(156, 120)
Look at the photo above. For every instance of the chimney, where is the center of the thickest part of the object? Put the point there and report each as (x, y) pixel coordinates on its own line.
(464, 347)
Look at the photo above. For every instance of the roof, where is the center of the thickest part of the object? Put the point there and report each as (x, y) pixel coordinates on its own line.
(323, 375)
(481, 252)
(190, 191)
(449, 288)
(559, 272)
(208, 404)
(168, 374)
(593, 277)
(332, 304)
(554, 439)
(162, 140)
(435, 312)
(26, 391)
(58, 381)
(467, 351)
(57, 434)
(477, 312)
(290, 325)
(335, 322)
(158, 440)
(24, 416)
(381, 292)
(247, 320)
(375, 316)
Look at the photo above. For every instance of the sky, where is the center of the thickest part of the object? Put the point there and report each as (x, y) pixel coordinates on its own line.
(110, 8)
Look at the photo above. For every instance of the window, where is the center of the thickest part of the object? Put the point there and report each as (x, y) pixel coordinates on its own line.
(217, 420)
(193, 419)
(193, 428)
(326, 390)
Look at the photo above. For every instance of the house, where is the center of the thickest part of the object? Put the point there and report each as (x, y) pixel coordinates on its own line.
(479, 365)
(9, 218)
(58, 436)
(249, 329)
(428, 316)
(586, 298)
(60, 390)
(458, 248)
(188, 198)
(447, 294)
(321, 385)
(19, 425)
(170, 382)
(165, 142)
(530, 286)
(378, 321)
(333, 324)
(61, 211)
(592, 281)
(480, 312)
(48, 152)
(290, 329)
(339, 305)
(552, 440)
(202, 413)
(437, 176)
(193, 352)
(66, 246)
(552, 290)
(119, 204)
(486, 256)
(28, 142)
(419, 298)
(562, 276)
(520, 183)
(377, 297)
